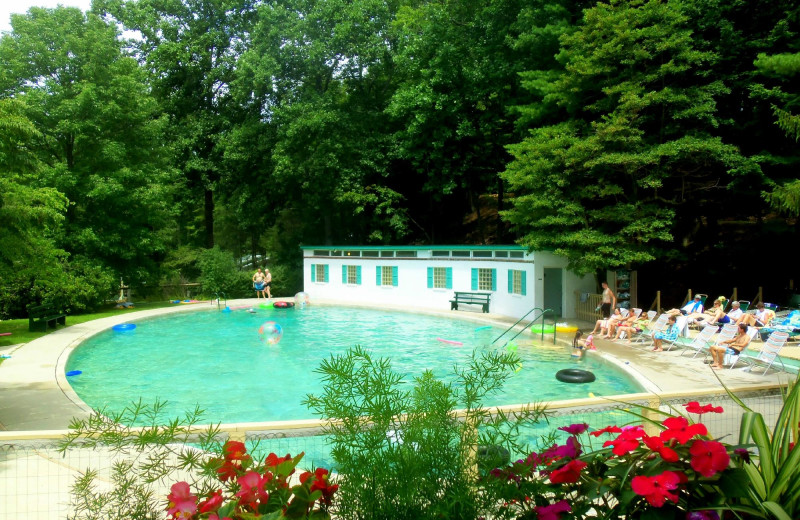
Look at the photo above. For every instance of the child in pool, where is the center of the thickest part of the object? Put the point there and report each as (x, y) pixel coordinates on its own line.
(579, 344)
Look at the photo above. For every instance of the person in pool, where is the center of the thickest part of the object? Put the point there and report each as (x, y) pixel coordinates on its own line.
(578, 345)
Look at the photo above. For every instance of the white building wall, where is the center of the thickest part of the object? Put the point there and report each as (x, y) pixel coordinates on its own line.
(412, 281)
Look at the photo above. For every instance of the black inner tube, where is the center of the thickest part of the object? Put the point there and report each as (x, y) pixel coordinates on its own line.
(575, 375)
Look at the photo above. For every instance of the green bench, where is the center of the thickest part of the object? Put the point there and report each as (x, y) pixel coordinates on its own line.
(42, 316)
(471, 298)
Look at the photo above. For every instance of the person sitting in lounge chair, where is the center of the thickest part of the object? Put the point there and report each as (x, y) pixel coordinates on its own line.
(761, 318)
(733, 346)
(614, 326)
(602, 326)
(722, 317)
(669, 334)
(633, 328)
(694, 306)
(708, 315)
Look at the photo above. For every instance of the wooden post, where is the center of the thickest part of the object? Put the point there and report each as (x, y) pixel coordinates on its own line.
(658, 302)
(650, 428)
(735, 294)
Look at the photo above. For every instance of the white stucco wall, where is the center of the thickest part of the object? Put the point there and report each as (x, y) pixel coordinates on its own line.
(412, 280)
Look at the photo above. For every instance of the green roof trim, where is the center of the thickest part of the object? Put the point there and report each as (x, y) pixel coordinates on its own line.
(421, 248)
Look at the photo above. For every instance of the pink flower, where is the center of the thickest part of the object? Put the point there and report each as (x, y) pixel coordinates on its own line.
(568, 473)
(694, 407)
(212, 503)
(570, 449)
(679, 428)
(708, 457)
(552, 512)
(252, 489)
(575, 429)
(657, 489)
(182, 503)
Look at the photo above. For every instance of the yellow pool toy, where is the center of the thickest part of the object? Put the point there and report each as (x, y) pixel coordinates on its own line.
(563, 327)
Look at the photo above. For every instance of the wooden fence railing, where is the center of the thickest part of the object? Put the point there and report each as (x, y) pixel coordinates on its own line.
(586, 305)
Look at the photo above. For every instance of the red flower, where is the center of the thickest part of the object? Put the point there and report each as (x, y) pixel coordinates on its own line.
(575, 429)
(656, 489)
(568, 473)
(743, 454)
(252, 489)
(607, 429)
(680, 429)
(321, 482)
(235, 450)
(694, 407)
(657, 444)
(182, 503)
(228, 470)
(571, 449)
(552, 512)
(273, 460)
(626, 442)
(211, 504)
(709, 457)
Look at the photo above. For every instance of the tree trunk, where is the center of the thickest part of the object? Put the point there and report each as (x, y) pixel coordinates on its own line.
(209, 218)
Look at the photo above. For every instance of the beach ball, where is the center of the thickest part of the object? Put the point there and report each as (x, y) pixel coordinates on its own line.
(301, 299)
(270, 332)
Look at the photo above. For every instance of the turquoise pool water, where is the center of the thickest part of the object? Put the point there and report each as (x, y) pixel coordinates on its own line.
(216, 360)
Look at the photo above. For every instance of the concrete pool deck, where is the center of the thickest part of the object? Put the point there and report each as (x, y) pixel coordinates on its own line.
(37, 395)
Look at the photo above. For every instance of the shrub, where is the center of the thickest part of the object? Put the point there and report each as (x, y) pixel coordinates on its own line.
(218, 272)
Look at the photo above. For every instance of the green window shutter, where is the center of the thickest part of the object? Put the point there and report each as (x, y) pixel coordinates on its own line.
(358, 275)
(510, 281)
(377, 275)
(344, 274)
(474, 279)
(313, 272)
(524, 290)
(430, 278)
(494, 279)
(448, 283)
(394, 276)
(327, 274)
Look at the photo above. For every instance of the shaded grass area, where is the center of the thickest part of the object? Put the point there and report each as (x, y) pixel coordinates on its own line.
(19, 328)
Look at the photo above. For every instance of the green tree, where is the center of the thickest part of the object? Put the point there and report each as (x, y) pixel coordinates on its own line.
(100, 139)
(634, 144)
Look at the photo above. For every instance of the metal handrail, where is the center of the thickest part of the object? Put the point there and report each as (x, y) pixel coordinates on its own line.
(220, 296)
(543, 313)
(516, 323)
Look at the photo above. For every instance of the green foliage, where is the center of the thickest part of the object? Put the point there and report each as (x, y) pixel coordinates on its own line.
(404, 452)
(604, 186)
(219, 273)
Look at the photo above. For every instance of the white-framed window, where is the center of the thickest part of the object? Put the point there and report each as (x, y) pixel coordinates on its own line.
(351, 274)
(517, 282)
(320, 273)
(440, 278)
(386, 275)
(484, 279)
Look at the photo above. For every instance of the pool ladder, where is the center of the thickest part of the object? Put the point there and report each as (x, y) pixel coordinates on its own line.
(541, 316)
(220, 296)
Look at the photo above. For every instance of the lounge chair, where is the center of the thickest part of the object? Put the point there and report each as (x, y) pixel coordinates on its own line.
(680, 322)
(768, 354)
(732, 359)
(700, 343)
(646, 336)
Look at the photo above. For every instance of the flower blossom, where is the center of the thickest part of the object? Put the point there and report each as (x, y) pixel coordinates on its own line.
(182, 503)
(252, 489)
(626, 442)
(568, 473)
(321, 483)
(744, 454)
(657, 489)
(552, 512)
(708, 457)
(656, 444)
(694, 407)
(211, 504)
(575, 429)
(570, 449)
(607, 429)
(679, 428)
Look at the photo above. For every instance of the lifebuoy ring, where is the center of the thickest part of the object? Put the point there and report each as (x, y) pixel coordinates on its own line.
(575, 375)
(283, 305)
(122, 327)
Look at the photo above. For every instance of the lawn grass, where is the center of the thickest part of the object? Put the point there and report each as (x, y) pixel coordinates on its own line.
(19, 328)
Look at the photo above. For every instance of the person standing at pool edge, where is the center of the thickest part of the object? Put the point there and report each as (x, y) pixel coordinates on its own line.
(259, 282)
(608, 301)
(267, 283)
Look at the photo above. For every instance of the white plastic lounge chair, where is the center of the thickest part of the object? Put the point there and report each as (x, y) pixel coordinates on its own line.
(769, 353)
(646, 336)
(731, 359)
(701, 342)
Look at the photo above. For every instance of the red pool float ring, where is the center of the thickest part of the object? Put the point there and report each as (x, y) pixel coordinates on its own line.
(283, 305)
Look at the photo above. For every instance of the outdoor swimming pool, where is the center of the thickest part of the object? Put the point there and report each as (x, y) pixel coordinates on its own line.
(216, 360)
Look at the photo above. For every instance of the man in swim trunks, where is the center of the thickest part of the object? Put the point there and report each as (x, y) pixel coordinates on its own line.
(267, 283)
(608, 302)
(259, 282)
(733, 346)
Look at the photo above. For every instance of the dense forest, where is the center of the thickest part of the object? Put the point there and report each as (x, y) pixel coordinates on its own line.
(164, 140)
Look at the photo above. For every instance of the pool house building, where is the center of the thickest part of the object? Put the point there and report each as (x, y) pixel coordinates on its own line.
(427, 277)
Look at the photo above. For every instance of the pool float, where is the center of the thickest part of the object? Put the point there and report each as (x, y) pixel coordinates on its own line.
(283, 305)
(74, 373)
(190, 301)
(449, 341)
(563, 327)
(267, 305)
(538, 329)
(575, 375)
(123, 327)
(483, 328)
